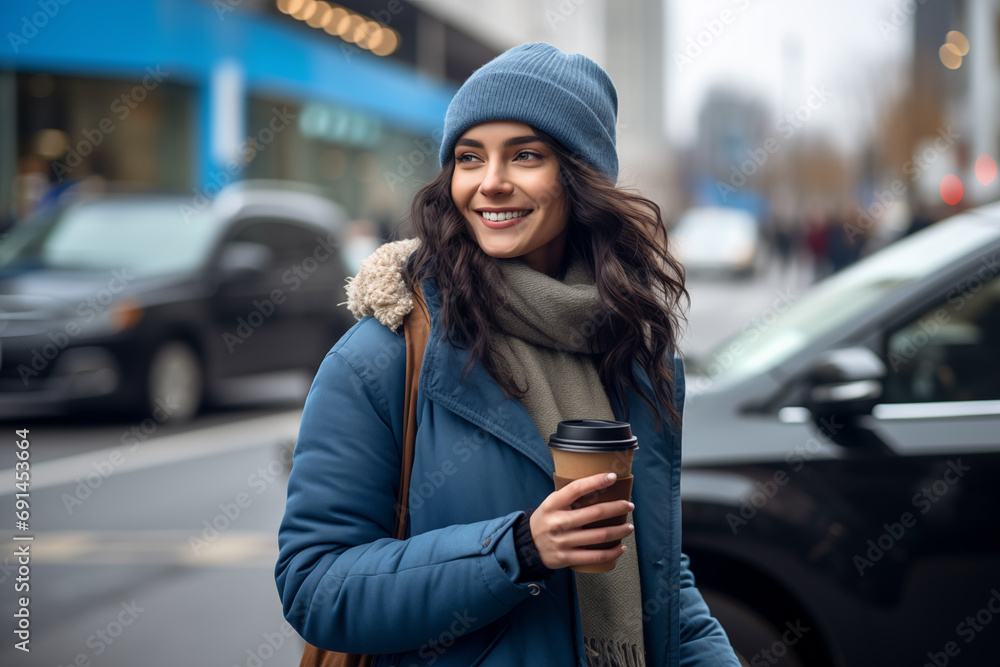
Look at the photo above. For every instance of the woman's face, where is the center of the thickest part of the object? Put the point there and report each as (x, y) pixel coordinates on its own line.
(506, 184)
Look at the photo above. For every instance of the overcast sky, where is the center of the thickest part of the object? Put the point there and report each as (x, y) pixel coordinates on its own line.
(842, 48)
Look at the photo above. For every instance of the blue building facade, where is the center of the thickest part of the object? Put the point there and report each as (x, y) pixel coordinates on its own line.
(192, 94)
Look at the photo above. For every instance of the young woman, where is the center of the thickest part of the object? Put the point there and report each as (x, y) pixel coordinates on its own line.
(551, 296)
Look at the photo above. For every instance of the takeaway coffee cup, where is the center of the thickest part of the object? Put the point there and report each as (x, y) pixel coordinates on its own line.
(584, 447)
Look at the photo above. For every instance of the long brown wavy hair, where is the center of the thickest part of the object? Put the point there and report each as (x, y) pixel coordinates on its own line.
(620, 235)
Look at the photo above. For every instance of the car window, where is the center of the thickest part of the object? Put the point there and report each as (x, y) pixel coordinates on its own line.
(951, 352)
(845, 295)
(293, 245)
(146, 236)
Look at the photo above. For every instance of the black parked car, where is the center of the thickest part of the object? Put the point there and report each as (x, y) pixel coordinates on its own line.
(841, 494)
(159, 304)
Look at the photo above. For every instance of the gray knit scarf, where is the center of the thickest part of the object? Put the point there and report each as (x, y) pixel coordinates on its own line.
(549, 345)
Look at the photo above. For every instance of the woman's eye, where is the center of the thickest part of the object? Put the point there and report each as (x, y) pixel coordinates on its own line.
(526, 155)
(465, 157)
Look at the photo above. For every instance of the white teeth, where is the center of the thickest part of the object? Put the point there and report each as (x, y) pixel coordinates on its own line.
(506, 215)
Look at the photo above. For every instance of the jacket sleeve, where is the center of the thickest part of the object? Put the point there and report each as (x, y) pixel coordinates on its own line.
(703, 642)
(345, 583)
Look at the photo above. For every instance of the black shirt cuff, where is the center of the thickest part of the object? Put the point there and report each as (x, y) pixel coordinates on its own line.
(532, 568)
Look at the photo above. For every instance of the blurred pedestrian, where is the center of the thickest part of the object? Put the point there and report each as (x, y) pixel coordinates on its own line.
(817, 243)
(552, 296)
(785, 240)
(845, 239)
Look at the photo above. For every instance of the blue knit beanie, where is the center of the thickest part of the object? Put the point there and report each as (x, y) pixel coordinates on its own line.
(569, 97)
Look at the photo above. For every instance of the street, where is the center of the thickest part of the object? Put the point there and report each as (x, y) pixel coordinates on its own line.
(163, 559)
(158, 549)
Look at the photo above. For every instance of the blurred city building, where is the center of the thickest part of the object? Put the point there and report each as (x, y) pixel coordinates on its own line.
(923, 135)
(190, 95)
(731, 127)
(955, 87)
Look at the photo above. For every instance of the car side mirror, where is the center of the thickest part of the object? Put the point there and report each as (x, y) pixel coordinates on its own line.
(842, 387)
(241, 261)
(846, 379)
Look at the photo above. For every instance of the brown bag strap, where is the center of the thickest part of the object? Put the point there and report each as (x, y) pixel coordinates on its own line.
(417, 328)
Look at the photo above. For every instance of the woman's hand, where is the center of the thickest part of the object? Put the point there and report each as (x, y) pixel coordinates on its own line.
(558, 530)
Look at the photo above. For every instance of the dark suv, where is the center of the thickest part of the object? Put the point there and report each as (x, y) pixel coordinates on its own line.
(841, 493)
(157, 304)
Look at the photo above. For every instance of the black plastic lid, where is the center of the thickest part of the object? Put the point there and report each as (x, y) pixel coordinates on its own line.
(593, 435)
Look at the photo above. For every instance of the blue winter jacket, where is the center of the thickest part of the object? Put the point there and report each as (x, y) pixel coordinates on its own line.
(448, 595)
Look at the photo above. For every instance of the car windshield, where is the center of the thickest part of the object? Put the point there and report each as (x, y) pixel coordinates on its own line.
(148, 237)
(842, 296)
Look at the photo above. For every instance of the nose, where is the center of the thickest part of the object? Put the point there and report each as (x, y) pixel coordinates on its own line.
(495, 181)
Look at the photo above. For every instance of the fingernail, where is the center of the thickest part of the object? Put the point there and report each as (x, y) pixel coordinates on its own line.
(631, 527)
(624, 547)
(612, 477)
(631, 506)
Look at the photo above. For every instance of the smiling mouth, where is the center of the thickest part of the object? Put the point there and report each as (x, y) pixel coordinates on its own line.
(500, 216)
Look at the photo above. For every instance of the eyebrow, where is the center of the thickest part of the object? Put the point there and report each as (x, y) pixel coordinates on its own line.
(513, 141)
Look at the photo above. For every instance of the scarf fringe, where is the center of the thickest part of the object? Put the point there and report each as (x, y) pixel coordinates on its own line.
(611, 653)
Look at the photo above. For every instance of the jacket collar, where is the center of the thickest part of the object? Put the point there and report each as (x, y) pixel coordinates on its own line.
(479, 399)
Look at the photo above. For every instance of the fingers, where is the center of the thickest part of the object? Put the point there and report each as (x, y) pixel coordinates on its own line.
(582, 538)
(573, 519)
(566, 496)
(593, 556)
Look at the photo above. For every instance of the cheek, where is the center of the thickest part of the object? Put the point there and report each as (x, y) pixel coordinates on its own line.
(460, 191)
(551, 194)
(558, 210)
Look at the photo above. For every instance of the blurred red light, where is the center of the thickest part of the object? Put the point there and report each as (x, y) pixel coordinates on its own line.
(986, 169)
(951, 189)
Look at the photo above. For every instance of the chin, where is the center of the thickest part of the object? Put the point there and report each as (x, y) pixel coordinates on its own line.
(501, 253)
(499, 249)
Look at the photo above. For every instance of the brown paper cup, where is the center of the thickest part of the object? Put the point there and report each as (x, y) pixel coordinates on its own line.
(620, 490)
(575, 465)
